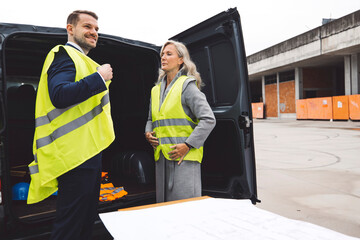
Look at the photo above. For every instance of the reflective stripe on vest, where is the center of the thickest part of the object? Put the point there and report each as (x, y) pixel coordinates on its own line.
(34, 169)
(173, 122)
(57, 112)
(170, 123)
(71, 126)
(65, 138)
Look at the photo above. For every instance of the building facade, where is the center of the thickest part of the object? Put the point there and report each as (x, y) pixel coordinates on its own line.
(323, 62)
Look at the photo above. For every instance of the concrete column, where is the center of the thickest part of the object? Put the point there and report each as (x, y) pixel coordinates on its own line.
(333, 75)
(278, 93)
(355, 67)
(263, 88)
(347, 73)
(299, 86)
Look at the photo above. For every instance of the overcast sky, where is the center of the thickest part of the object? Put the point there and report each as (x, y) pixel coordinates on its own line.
(264, 22)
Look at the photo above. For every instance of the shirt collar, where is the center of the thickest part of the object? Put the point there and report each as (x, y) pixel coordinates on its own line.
(75, 46)
(179, 74)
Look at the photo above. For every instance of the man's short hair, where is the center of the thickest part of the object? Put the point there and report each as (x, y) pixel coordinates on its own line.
(73, 18)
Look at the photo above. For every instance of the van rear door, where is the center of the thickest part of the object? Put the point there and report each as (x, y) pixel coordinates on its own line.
(217, 48)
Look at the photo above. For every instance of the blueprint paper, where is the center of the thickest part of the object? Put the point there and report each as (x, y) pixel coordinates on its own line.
(212, 219)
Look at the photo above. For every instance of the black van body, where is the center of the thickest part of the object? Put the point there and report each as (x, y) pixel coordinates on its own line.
(216, 46)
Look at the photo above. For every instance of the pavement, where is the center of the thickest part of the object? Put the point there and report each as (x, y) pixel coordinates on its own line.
(310, 171)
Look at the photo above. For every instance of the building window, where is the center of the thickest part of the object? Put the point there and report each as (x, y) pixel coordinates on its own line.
(270, 79)
(287, 76)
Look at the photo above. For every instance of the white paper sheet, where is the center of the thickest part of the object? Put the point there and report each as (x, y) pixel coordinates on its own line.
(211, 219)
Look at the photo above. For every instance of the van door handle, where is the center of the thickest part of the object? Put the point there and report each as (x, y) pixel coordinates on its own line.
(245, 124)
(244, 121)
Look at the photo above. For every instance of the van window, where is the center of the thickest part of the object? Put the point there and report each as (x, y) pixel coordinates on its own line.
(226, 80)
(217, 66)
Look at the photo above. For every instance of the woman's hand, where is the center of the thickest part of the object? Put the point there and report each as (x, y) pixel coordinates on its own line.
(150, 137)
(180, 151)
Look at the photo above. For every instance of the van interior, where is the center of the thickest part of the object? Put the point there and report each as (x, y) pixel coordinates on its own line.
(129, 159)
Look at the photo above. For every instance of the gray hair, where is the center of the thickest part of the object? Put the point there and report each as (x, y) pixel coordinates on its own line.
(188, 67)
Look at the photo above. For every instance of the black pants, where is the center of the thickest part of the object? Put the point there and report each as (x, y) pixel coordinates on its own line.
(77, 201)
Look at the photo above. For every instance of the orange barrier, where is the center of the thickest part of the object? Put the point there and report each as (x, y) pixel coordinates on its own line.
(320, 108)
(354, 107)
(340, 107)
(257, 110)
(301, 109)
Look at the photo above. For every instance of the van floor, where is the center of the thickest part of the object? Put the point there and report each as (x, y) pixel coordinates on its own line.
(47, 207)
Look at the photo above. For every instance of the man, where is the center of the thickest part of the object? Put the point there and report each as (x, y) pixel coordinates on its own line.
(73, 126)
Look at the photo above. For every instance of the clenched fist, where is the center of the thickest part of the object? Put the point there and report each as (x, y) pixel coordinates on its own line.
(105, 71)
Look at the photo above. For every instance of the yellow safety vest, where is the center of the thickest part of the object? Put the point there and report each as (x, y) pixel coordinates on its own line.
(66, 138)
(170, 123)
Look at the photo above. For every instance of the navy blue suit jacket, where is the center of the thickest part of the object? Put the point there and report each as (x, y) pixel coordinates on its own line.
(64, 91)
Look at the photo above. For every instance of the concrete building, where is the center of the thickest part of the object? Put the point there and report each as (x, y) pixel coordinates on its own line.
(322, 62)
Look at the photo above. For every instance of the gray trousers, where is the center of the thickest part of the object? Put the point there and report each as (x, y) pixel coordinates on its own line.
(175, 182)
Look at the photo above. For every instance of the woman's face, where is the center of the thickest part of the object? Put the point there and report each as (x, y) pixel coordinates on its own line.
(170, 61)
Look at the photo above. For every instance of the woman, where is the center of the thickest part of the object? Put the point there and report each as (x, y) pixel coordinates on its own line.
(180, 119)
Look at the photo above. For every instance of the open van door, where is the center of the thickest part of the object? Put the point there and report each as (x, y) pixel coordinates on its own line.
(217, 48)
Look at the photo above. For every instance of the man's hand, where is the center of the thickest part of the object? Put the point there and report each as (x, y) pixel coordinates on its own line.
(105, 71)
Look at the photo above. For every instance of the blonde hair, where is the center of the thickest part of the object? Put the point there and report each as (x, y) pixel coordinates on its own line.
(188, 67)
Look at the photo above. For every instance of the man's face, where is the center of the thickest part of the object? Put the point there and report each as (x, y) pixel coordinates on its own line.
(85, 32)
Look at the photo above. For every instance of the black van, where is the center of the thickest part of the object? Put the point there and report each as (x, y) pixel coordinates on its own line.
(216, 46)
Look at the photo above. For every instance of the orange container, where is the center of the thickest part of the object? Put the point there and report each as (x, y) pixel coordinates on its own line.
(341, 107)
(320, 108)
(354, 107)
(301, 109)
(258, 110)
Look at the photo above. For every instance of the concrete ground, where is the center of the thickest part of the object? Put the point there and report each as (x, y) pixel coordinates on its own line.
(310, 171)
